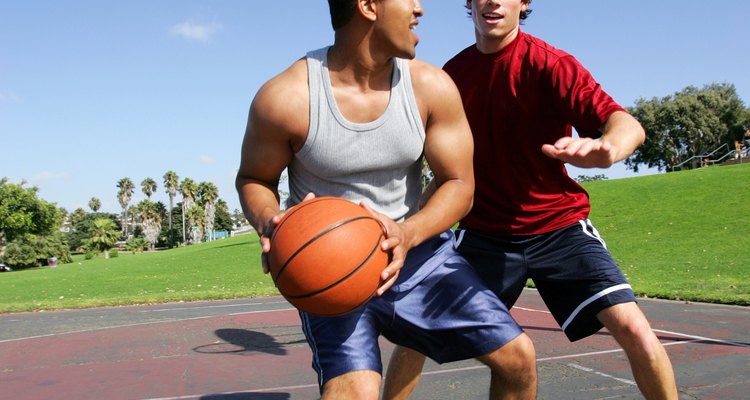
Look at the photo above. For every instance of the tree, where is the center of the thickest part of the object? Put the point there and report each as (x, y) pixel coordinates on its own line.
(223, 220)
(687, 124)
(195, 217)
(103, 237)
(148, 186)
(123, 196)
(95, 204)
(35, 250)
(208, 193)
(188, 189)
(238, 218)
(82, 225)
(171, 183)
(150, 219)
(590, 178)
(22, 213)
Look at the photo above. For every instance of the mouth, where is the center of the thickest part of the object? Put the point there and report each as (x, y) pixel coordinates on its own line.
(492, 17)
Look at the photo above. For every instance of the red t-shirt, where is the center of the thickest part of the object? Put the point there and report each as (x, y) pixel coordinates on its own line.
(516, 100)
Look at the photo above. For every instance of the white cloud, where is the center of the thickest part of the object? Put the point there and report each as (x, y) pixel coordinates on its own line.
(193, 31)
(9, 97)
(47, 176)
(206, 159)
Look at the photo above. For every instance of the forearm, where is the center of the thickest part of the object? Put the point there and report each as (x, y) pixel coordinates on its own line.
(624, 133)
(259, 201)
(449, 202)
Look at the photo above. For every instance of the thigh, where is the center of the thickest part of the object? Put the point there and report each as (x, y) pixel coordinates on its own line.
(577, 278)
(343, 344)
(450, 315)
(498, 262)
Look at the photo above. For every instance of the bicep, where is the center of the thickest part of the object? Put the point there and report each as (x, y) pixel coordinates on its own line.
(266, 149)
(449, 146)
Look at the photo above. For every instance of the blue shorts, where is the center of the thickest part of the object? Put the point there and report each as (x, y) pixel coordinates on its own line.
(574, 272)
(446, 314)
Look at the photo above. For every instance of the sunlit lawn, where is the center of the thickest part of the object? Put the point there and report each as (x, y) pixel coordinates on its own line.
(683, 235)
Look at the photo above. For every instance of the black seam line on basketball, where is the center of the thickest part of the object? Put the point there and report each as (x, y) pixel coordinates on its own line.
(316, 237)
(362, 264)
(294, 210)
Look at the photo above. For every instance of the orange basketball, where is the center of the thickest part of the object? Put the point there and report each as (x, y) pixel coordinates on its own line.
(325, 256)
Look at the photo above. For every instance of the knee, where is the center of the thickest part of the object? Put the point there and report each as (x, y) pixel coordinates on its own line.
(516, 360)
(636, 336)
(353, 385)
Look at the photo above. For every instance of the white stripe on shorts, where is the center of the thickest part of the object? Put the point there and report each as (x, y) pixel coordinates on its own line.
(457, 240)
(586, 225)
(592, 299)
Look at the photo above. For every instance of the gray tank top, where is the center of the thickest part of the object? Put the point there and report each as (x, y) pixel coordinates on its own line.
(378, 161)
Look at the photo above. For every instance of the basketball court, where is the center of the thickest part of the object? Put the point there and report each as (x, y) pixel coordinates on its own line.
(254, 349)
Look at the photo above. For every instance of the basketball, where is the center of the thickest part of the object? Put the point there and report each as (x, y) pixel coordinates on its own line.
(325, 256)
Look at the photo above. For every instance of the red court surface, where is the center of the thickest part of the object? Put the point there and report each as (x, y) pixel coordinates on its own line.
(254, 349)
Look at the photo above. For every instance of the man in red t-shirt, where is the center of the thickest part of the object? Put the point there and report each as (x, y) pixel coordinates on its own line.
(530, 220)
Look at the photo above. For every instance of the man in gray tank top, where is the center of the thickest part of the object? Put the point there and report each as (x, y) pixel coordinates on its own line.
(355, 120)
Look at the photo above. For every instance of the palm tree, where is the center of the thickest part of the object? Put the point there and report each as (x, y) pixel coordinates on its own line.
(104, 235)
(188, 189)
(208, 194)
(171, 182)
(148, 186)
(95, 204)
(150, 217)
(123, 196)
(196, 216)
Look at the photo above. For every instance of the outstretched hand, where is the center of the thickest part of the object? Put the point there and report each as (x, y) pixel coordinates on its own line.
(582, 152)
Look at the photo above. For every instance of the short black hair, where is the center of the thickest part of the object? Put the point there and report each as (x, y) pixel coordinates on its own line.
(341, 12)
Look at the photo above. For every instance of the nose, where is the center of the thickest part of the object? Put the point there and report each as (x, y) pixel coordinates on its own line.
(418, 10)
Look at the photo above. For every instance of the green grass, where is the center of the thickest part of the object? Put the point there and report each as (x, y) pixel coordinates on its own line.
(228, 268)
(683, 235)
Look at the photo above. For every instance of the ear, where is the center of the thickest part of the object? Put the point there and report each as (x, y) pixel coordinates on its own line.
(368, 9)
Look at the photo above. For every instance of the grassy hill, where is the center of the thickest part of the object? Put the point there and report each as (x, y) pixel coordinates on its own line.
(683, 235)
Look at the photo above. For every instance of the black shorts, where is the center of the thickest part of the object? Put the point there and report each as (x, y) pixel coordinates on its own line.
(571, 267)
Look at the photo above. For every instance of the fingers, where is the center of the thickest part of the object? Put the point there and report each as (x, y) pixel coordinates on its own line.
(265, 241)
(581, 152)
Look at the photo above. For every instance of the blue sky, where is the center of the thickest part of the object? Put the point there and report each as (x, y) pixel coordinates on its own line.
(94, 91)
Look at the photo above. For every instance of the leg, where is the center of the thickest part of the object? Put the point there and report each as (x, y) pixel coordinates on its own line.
(363, 385)
(513, 369)
(403, 373)
(648, 359)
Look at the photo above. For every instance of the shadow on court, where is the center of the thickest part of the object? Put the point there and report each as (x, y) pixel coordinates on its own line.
(254, 349)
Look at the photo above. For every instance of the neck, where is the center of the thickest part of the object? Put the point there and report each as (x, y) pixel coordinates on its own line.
(491, 44)
(351, 61)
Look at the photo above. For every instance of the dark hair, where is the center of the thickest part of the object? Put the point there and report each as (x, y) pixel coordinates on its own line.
(341, 12)
(523, 16)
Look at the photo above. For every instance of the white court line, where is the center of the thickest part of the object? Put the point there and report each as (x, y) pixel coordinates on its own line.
(429, 373)
(576, 366)
(531, 310)
(139, 324)
(701, 338)
(204, 307)
(274, 389)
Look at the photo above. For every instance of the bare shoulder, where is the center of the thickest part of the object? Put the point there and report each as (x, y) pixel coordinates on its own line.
(283, 101)
(434, 90)
(428, 77)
